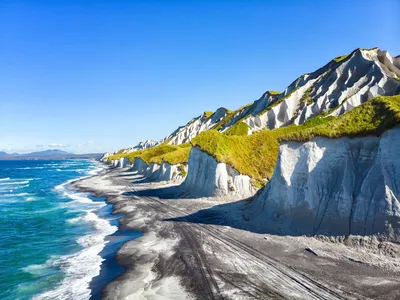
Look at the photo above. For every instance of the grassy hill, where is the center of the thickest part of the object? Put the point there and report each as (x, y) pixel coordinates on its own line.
(256, 155)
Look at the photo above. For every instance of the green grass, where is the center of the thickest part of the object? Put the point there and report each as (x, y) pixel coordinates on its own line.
(396, 78)
(371, 118)
(306, 99)
(181, 169)
(171, 154)
(225, 120)
(255, 155)
(274, 92)
(208, 114)
(240, 128)
(340, 58)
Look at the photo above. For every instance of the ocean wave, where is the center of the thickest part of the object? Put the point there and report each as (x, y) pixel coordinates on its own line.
(5, 179)
(90, 172)
(16, 195)
(11, 189)
(29, 168)
(21, 187)
(81, 267)
(31, 199)
(42, 269)
(14, 182)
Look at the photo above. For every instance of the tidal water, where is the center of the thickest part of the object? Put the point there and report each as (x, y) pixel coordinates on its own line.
(55, 243)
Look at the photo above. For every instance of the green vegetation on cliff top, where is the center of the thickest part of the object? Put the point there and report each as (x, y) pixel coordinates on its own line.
(171, 154)
(240, 128)
(208, 114)
(274, 92)
(341, 58)
(256, 155)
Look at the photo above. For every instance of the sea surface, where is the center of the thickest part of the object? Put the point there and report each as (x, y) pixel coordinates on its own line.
(53, 240)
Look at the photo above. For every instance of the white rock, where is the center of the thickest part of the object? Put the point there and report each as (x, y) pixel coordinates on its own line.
(199, 124)
(167, 172)
(124, 163)
(206, 177)
(334, 186)
(365, 74)
(139, 165)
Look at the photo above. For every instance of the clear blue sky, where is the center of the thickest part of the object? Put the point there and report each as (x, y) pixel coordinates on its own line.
(102, 75)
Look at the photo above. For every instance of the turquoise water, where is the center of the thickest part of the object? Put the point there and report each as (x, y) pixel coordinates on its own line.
(51, 238)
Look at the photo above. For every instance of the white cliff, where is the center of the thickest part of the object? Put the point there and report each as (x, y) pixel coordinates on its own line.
(142, 146)
(337, 88)
(206, 178)
(124, 163)
(201, 123)
(167, 172)
(150, 170)
(139, 165)
(333, 186)
(105, 156)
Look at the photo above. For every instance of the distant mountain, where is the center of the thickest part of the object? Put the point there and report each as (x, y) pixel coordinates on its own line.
(48, 154)
(53, 152)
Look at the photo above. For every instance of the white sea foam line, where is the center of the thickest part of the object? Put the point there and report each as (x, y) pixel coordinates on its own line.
(29, 168)
(21, 187)
(91, 172)
(5, 179)
(14, 182)
(15, 195)
(10, 189)
(80, 267)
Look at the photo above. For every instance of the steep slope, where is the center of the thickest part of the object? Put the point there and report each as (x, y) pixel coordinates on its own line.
(235, 151)
(338, 87)
(337, 186)
(122, 152)
(207, 178)
(204, 122)
(142, 146)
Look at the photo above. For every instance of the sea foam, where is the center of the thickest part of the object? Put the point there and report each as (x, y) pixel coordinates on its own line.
(79, 268)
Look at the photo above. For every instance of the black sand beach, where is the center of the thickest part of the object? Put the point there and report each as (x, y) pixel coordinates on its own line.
(203, 249)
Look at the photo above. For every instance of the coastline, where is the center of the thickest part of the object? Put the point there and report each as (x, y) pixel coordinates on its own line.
(201, 248)
(81, 266)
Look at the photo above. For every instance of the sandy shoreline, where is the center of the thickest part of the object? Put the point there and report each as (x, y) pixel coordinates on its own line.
(202, 249)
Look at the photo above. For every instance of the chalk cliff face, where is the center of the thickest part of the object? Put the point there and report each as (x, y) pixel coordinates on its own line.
(142, 145)
(337, 88)
(201, 123)
(206, 177)
(167, 172)
(124, 163)
(105, 156)
(160, 172)
(139, 165)
(334, 186)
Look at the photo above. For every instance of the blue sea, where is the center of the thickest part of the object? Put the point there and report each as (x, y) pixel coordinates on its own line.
(53, 240)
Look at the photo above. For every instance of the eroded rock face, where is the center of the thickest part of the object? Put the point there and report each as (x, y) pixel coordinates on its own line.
(139, 165)
(105, 156)
(201, 123)
(207, 177)
(142, 146)
(124, 163)
(335, 187)
(167, 172)
(337, 87)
